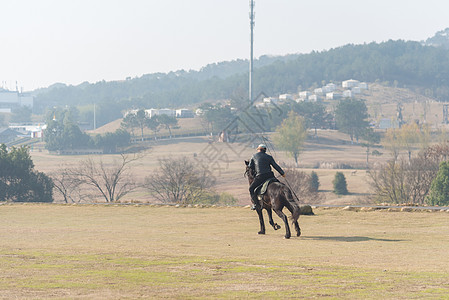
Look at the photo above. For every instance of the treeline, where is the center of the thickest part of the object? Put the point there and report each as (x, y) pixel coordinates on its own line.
(424, 69)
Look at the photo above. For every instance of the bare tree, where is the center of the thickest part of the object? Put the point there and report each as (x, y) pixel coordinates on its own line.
(403, 181)
(113, 182)
(67, 185)
(300, 183)
(179, 181)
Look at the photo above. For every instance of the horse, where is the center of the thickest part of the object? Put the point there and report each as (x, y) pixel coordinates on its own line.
(277, 196)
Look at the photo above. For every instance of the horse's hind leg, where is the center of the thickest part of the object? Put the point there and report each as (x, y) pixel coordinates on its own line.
(298, 230)
(270, 218)
(284, 218)
(262, 223)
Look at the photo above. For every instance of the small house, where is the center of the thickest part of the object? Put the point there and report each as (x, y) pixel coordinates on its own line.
(333, 96)
(184, 113)
(347, 94)
(285, 97)
(350, 83)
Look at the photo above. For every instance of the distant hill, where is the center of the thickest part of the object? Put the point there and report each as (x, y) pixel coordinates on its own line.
(412, 65)
(440, 39)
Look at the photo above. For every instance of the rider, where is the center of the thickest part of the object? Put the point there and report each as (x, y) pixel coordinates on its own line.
(261, 163)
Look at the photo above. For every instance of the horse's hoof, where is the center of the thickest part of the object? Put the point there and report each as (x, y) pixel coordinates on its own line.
(298, 233)
(276, 226)
(261, 232)
(286, 237)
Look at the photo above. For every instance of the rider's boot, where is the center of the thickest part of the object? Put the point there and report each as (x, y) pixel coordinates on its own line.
(255, 203)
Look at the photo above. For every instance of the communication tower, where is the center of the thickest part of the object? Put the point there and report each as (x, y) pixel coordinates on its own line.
(252, 17)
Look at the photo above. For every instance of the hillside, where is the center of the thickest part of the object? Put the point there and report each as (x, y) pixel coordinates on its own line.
(406, 64)
(382, 101)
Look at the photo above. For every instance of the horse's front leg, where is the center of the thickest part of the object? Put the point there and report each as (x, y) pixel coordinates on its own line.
(262, 223)
(284, 218)
(270, 219)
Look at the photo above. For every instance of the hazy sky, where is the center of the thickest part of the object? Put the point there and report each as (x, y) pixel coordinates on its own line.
(71, 41)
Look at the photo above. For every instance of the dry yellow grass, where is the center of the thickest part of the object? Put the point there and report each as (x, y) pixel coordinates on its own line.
(117, 252)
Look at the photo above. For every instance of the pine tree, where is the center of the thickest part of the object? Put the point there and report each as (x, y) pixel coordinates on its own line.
(340, 185)
(439, 190)
(314, 182)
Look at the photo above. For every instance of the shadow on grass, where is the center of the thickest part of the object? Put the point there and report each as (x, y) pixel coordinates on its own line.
(348, 239)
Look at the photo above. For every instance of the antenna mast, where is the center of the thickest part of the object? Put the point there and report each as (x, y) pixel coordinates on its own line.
(251, 25)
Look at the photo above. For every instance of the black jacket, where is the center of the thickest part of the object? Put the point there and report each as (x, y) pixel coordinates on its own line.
(262, 162)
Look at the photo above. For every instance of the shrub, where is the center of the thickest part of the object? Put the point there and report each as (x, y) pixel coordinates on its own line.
(314, 182)
(340, 185)
(439, 190)
(180, 180)
(19, 182)
(300, 183)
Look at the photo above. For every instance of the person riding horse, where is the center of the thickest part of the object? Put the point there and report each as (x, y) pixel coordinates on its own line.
(261, 163)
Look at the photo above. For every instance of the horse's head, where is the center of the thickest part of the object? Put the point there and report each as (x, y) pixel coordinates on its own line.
(249, 172)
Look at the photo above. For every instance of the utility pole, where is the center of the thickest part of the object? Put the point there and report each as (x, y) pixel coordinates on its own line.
(95, 118)
(251, 25)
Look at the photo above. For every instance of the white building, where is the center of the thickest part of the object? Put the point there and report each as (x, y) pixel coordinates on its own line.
(132, 111)
(152, 112)
(33, 130)
(285, 97)
(314, 98)
(184, 113)
(318, 91)
(304, 94)
(350, 83)
(330, 87)
(167, 111)
(356, 90)
(333, 96)
(363, 85)
(347, 94)
(10, 100)
(270, 100)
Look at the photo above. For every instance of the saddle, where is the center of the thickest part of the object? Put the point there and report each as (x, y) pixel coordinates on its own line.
(262, 189)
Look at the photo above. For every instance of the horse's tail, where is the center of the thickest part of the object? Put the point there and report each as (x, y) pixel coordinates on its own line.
(293, 203)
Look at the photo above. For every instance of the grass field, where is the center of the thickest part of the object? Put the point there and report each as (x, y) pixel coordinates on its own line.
(129, 252)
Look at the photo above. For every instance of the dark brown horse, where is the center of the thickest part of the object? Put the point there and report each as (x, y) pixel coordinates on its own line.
(277, 196)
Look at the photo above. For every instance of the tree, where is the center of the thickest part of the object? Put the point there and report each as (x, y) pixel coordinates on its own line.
(409, 135)
(111, 141)
(19, 182)
(400, 181)
(62, 132)
(439, 190)
(112, 181)
(371, 138)
(351, 115)
(129, 122)
(167, 122)
(67, 185)
(179, 181)
(154, 125)
(291, 135)
(339, 183)
(314, 114)
(217, 116)
(392, 142)
(314, 182)
(138, 119)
